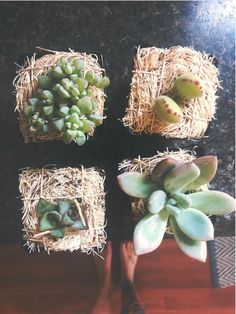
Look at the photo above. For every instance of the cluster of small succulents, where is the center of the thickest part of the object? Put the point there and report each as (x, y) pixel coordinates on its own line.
(65, 102)
(171, 201)
(186, 87)
(56, 217)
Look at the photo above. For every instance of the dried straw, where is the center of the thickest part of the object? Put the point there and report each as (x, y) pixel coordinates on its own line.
(155, 71)
(85, 186)
(146, 165)
(26, 83)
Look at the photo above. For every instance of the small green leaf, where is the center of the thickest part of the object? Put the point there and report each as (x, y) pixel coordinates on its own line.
(45, 207)
(192, 248)
(50, 221)
(136, 184)
(64, 205)
(183, 200)
(59, 124)
(96, 118)
(58, 232)
(67, 220)
(195, 224)
(156, 202)
(80, 140)
(48, 110)
(149, 232)
(213, 202)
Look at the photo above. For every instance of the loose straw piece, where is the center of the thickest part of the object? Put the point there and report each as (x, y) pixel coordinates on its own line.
(26, 83)
(69, 183)
(155, 71)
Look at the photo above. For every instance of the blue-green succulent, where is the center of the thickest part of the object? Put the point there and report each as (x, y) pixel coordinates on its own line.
(173, 197)
(57, 217)
(65, 102)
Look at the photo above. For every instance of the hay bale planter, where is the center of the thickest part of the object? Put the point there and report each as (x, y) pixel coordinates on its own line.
(155, 71)
(169, 194)
(85, 187)
(27, 82)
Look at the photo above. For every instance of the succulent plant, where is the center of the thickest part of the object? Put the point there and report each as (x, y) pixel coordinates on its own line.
(188, 86)
(56, 217)
(172, 198)
(167, 110)
(64, 101)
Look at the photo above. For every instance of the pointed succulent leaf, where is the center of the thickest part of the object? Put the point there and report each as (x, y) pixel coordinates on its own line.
(195, 224)
(149, 232)
(208, 167)
(64, 205)
(213, 202)
(44, 207)
(182, 200)
(192, 248)
(180, 176)
(156, 202)
(50, 221)
(78, 225)
(59, 124)
(67, 220)
(161, 169)
(58, 232)
(136, 184)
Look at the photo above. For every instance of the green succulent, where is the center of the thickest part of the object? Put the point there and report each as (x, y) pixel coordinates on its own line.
(186, 87)
(172, 199)
(56, 217)
(64, 101)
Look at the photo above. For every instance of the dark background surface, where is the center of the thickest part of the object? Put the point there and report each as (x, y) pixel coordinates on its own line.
(113, 30)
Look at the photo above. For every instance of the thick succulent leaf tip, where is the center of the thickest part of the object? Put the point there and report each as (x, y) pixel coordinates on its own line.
(192, 248)
(149, 232)
(136, 184)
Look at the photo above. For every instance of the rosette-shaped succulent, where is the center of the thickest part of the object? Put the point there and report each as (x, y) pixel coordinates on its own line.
(55, 218)
(173, 199)
(65, 102)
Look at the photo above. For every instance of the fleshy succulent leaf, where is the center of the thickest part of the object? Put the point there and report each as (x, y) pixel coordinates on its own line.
(183, 200)
(67, 220)
(172, 209)
(149, 232)
(58, 232)
(64, 205)
(136, 184)
(161, 169)
(195, 224)
(44, 206)
(192, 248)
(50, 221)
(180, 176)
(208, 167)
(156, 202)
(189, 86)
(213, 202)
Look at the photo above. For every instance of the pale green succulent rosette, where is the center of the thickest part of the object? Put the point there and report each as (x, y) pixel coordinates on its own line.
(173, 199)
